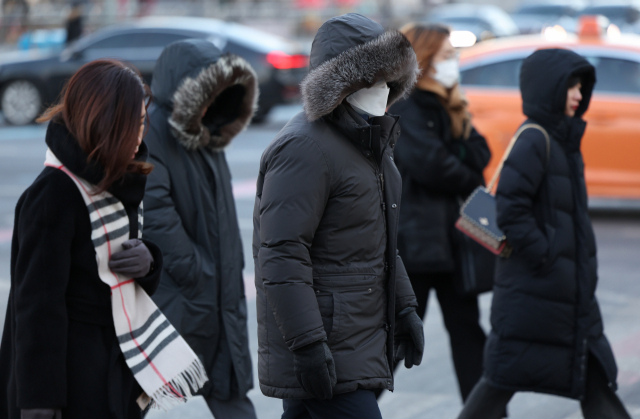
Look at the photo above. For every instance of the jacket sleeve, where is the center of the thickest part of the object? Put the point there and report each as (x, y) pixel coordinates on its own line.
(429, 161)
(183, 259)
(474, 151)
(520, 180)
(293, 197)
(45, 230)
(405, 297)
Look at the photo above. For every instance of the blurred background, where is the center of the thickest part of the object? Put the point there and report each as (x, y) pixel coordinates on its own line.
(43, 42)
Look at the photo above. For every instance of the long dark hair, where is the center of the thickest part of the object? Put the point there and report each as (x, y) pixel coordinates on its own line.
(101, 107)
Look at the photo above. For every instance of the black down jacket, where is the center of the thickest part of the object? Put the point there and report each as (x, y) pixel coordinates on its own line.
(189, 206)
(545, 316)
(326, 217)
(437, 170)
(59, 346)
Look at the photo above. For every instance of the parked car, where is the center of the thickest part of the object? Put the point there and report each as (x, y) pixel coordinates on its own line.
(625, 15)
(32, 80)
(484, 21)
(611, 145)
(533, 17)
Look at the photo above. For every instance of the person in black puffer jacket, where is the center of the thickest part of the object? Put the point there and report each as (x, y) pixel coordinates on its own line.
(332, 293)
(441, 158)
(547, 331)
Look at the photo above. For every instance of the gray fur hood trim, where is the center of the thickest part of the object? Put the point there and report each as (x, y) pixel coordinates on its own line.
(196, 94)
(389, 57)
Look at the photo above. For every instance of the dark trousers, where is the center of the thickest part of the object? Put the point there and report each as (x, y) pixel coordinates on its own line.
(462, 320)
(360, 404)
(600, 401)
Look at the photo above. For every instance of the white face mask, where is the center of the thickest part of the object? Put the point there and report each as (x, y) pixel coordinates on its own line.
(372, 101)
(447, 72)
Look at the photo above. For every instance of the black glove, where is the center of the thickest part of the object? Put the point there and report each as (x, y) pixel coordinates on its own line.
(134, 261)
(409, 338)
(40, 414)
(315, 370)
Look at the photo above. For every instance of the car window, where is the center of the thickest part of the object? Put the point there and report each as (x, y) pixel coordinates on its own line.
(616, 75)
(502, 74)
(137, 40)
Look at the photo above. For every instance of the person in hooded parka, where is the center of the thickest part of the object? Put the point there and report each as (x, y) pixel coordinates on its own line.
(547, 333)
(332, 292)
(202, 99)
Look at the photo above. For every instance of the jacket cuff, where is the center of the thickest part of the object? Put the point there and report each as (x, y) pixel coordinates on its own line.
(308, 338)
(151, 281)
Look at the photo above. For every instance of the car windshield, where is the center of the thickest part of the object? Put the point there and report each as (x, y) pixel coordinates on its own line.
(466, 22)
(549, 10)
(616, 14)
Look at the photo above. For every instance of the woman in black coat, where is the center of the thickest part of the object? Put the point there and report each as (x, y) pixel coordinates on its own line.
(60, 355)
(547, 331)
(441, 158)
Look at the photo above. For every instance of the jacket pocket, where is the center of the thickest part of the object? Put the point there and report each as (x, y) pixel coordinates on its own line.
(549, 258)
(327, 310)
(353, 308)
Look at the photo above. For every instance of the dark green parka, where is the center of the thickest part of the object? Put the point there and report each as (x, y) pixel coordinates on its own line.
(189, 207)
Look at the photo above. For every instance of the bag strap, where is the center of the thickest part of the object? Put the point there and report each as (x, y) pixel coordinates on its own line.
(496, 175)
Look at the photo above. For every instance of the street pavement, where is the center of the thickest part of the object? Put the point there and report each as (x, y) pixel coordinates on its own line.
(428, 391)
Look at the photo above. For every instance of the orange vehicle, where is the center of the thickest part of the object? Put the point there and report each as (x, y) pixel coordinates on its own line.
(611, 145)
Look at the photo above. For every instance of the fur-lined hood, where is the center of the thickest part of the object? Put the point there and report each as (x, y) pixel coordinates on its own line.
(352, 52)
(192, 77)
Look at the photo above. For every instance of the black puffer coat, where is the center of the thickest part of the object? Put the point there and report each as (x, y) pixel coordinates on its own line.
(326, 217)
(545, 316)
(437, 170)
(189, 207)
(59, 346)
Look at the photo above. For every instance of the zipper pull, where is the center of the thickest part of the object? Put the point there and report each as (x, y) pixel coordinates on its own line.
(384, 207)
(382, 181)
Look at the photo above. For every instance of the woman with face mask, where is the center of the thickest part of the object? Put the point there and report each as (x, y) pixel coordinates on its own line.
(547, 332)
(441, 158)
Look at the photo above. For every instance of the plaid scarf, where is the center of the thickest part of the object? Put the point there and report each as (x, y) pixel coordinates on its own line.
(161, 361)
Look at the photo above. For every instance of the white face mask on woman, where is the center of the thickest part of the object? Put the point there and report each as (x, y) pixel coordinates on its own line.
(447, 72)
(372, 101)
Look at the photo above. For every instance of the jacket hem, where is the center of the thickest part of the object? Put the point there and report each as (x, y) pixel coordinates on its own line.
(340, 388)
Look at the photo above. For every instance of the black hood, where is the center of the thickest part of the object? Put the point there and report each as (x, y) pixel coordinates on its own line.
(129, 189)
(193, 75)
(352, 52)
(544, 80)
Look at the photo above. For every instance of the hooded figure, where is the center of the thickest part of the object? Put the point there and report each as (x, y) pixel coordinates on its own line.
(547, 334)
(202, 99)
(330, 284)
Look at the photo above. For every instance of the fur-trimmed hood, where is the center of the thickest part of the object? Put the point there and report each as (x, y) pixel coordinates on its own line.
(192, 77)
(351, 52)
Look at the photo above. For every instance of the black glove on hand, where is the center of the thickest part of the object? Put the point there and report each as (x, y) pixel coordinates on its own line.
(40, 414)
(409, 338)
(134, 261)
(315, 370)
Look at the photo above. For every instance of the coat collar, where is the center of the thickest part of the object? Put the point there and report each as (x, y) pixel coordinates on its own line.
(382, 130)
(129, 189)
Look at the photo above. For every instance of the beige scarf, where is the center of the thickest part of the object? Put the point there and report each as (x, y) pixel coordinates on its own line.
(455, 103)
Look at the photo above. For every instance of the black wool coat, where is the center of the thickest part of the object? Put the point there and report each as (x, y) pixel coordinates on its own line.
(59, 347)
(325, 226)
(190, 211)
(437, 171)
(544, 315)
